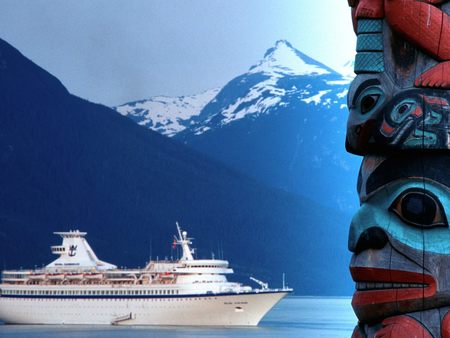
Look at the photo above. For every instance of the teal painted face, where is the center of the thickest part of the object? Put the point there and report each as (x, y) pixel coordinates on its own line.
(400, 237)
(411, 211)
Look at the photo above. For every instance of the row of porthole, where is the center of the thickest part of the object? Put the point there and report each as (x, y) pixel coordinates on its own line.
(122, 299)
(93, 293)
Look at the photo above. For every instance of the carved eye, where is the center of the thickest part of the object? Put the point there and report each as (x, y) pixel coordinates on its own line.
(419, 208)
(369, 102)
(404, 109)
(370, 99)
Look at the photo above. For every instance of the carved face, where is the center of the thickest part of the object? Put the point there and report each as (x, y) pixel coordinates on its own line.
(412, 119)
(400, 238)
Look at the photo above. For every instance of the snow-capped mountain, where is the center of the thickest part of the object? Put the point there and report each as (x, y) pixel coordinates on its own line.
(281, 122)
(167, 115)
(173, 115)
(348, 70)
(66, 161)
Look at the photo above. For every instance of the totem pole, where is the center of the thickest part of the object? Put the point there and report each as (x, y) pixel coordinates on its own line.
(399, 119)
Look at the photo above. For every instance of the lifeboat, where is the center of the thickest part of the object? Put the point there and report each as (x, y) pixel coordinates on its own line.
(75, 276)
(93, 276)
(37, 276)
(57, 276)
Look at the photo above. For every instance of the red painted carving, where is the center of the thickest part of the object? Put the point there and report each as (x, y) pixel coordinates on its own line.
(364, 298)
(373, 9)
(402, 327)
(436, 77)
(420, 22)
(445, 326)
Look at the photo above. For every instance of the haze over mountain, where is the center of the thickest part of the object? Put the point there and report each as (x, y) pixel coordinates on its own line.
(67, 163)
(282, 123)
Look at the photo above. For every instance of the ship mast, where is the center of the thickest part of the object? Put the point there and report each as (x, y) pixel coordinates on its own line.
(184, 242)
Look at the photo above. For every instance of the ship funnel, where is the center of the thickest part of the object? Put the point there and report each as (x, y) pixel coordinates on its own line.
(76, 253)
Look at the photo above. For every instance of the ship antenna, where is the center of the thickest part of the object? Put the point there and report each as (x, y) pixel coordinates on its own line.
(179, 231)
(150, 258)
(284, 284)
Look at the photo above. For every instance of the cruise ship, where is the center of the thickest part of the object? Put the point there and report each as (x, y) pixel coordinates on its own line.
(79, 288)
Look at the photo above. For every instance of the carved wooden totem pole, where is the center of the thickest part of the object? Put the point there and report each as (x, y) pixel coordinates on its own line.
(399, 121)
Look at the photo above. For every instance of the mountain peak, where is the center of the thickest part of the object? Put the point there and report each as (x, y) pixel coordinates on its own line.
(279, 45)
(283, 58)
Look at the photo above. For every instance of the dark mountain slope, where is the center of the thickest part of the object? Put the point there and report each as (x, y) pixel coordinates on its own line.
(67, 163)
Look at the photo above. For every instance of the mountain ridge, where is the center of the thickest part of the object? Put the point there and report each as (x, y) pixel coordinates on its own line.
(149, 114)
(68, 163)
(280, 122)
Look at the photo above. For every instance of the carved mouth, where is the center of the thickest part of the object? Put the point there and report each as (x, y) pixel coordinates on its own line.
(378, 286)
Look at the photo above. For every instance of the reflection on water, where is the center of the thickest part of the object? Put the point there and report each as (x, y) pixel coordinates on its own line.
(293, 317)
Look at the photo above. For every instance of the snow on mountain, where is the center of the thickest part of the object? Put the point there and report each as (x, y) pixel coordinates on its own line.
(283, 59)
(278, 122)
(167, 115)
(282, 78)
(348, 70)
(285, 76)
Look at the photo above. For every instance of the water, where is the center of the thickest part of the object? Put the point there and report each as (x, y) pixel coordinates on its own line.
(293, 317)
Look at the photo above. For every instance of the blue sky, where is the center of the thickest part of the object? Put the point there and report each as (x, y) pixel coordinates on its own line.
(112, 51)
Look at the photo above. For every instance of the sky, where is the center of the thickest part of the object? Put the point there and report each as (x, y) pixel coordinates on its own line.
(116, 51)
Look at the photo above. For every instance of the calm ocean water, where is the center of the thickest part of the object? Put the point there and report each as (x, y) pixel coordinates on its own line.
(293, 317)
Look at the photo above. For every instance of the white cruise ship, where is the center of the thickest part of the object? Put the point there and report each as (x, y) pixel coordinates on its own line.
(78, 288)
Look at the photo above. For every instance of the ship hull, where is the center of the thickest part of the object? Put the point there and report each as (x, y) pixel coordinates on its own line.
(245, 309)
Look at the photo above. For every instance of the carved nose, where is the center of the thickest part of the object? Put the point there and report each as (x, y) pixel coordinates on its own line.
(371, 238)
